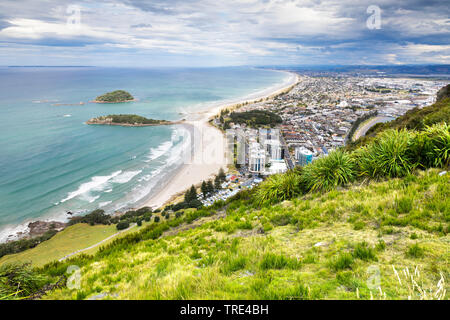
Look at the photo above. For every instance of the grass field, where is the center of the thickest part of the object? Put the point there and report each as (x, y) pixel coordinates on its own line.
(71, 239)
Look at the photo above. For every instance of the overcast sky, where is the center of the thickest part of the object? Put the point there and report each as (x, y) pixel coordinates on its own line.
(223, 32)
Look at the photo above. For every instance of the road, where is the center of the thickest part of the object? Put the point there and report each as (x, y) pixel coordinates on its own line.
(362, 130)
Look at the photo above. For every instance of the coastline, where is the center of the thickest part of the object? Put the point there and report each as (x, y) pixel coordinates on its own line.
(165, 123)
(187, 174)
(195, 173)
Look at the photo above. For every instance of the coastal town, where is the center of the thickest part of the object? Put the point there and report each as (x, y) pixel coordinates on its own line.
(318, 115)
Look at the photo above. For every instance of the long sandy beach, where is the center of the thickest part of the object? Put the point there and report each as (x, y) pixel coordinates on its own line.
(209, 147)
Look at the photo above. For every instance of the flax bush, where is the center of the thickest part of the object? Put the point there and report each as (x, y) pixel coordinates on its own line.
(389, 156)
(328, 172)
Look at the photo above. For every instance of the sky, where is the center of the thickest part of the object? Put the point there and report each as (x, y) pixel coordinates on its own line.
(207, 33)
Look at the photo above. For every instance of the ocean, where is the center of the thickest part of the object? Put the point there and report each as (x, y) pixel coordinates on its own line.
(51, 162)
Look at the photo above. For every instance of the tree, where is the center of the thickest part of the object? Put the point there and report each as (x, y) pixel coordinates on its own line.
(195, 204)
(193, 193)
(222, 175)
(122, 225)
(204, 189)
(217, 183)
(210, 186)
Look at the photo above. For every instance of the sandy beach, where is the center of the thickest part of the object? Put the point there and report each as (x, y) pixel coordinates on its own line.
(209, 153)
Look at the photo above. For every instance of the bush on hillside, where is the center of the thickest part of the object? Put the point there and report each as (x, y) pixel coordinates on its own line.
(328, 172)
(122, 225)
(18, 281)
(431, 147)
(388, 156)
(95, 217)
(279, 187)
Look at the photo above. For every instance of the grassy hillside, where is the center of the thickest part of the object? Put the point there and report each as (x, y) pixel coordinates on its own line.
(327, 246)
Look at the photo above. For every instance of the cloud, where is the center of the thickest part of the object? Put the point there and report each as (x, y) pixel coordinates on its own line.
(233, 31)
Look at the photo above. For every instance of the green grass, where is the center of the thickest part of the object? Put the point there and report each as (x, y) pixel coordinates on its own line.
(71, 239)
(309, 248)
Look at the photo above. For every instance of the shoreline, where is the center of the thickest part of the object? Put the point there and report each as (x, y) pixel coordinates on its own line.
(187, 174)
(165, 123)
(195, 173)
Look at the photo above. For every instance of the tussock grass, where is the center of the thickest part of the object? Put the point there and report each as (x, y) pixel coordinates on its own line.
(279, 187)
(328, 172)
(388, 156)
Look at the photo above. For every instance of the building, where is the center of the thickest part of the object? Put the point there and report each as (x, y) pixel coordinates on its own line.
(257, 158)
(277, 166)
(274, 149)
(303, 156)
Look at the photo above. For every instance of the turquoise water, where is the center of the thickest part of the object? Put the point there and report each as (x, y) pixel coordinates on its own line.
(51, 162)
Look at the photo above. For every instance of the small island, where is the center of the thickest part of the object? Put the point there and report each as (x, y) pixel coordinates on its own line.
(117, 96)
(129, 120)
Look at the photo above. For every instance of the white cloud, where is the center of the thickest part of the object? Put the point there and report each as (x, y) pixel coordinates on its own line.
(235, 30)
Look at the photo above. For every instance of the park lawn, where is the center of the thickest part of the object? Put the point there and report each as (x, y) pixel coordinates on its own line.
(71, 239)
(133, 228)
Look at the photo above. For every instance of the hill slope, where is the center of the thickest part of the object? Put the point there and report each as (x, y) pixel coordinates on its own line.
(335, 245)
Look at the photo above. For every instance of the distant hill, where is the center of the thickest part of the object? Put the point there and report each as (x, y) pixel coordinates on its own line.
(115, 97)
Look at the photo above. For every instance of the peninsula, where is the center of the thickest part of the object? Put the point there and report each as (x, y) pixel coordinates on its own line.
(129, 120)
(115, 97)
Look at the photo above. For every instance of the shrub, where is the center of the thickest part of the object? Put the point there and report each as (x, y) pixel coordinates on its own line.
(387, 156)
(95, 217)
(233, 264)
(167, 216)
(197, 204)
(431, 147)
(156, 219)
(139, 222)
(415, 251)
(281, 219)
(279, 187)
(180, 205)
(122, 225)
(364, 252)
(179, 214)
(381, 245)
(359, 225)
(341, 262)
(18, 281)
(329, 172)
(143, 211)
(274, 261)
(403, 205)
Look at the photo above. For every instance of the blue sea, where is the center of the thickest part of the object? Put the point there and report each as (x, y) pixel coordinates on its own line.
(51, 162)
